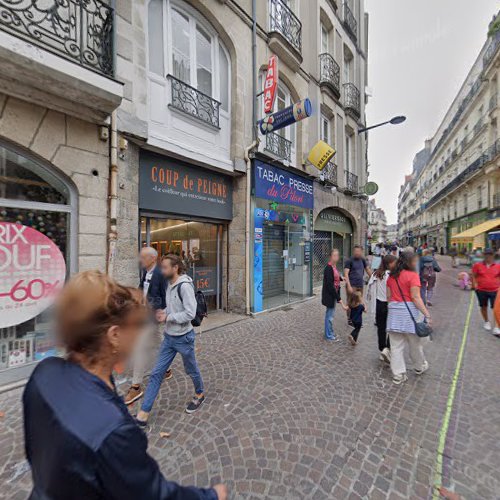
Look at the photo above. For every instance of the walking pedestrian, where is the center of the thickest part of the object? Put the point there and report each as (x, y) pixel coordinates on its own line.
(355, 309)
(403, 286)
(330, 293)
(428, 267)
(486, 282)
(354, 271)
(153, 286)
(179, 337)
(377, 257)
(453, 253)
(80, 439)
(377, 290)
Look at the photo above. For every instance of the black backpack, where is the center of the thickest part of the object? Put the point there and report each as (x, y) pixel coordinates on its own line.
(201, 305)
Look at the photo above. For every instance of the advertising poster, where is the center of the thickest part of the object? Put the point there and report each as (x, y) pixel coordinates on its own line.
(205, 280)
(32, 271)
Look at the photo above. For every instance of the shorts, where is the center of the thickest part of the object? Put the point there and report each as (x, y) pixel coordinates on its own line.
(483, 298)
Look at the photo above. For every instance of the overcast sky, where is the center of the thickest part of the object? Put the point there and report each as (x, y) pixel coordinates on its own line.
(420, 52)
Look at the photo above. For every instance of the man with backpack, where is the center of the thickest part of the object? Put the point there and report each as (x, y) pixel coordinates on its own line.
(183, 309)
(428, 267)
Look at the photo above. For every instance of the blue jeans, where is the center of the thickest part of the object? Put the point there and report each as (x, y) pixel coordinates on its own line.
(329, 333)
(171, 345)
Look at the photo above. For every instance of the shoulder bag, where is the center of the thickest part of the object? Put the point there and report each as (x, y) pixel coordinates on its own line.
(422, 328)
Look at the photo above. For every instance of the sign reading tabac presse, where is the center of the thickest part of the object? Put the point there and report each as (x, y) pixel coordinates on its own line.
(174, 186)
(270, 84)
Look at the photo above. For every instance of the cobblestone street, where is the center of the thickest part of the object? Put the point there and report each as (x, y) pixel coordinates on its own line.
(290, 416)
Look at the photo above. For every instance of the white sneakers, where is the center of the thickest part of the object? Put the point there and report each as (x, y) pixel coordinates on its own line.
(385, 355)
(424, 368)
(487, 326)
(399, 379)
(496, 331)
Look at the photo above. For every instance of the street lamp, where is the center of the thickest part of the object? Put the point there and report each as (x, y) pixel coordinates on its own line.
(393, 121)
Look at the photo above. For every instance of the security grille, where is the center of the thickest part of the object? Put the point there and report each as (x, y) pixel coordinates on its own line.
(273, 265)
(322, 246)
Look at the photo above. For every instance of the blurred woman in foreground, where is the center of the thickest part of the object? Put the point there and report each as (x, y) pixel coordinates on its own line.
(81, 441)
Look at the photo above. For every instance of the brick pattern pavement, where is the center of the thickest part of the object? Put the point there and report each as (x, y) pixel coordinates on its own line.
(289, 416)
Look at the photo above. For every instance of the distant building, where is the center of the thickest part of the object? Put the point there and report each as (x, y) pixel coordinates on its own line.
(377, 223)
(392, 233)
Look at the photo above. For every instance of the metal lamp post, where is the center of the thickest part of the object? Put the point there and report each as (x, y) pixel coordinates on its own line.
(393, 121)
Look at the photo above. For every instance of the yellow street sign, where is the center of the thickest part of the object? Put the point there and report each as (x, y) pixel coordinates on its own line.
(321, 154)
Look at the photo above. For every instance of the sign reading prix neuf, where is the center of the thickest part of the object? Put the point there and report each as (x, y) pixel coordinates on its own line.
(170, 185)
(32, 271)
(283, 187)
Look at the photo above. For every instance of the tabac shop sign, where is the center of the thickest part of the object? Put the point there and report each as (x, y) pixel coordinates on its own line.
(281, 186)
(170, 185)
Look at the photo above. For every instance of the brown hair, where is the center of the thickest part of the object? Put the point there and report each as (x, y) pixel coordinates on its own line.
(355, 298)
(89, 305)
(384, 265)
(175, 260)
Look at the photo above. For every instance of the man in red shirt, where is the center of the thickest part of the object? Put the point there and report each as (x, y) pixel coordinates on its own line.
(486, 282)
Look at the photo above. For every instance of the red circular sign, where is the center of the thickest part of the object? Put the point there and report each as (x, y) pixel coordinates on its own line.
(32, 271)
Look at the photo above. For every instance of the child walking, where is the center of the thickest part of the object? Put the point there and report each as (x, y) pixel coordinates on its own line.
(356, 308)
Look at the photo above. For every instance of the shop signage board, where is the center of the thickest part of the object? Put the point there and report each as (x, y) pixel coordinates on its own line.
(288, 116)
(32, 272)
(281, 186)
(320, 154)
(270, 84)
(205, 280)
(174, 186)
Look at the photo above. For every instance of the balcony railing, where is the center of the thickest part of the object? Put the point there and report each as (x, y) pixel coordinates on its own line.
(80, 30)
(350, 21)
(330, 174)
(496, 200)
(493, 102)
(286, 23)
(485, 157)
(278, 146)
(352, 99)
(329, 73)
(351, 182)
(491, 50)
(193, 102)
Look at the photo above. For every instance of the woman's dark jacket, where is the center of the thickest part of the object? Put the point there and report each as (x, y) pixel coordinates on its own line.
(82, 443)
(329, 294)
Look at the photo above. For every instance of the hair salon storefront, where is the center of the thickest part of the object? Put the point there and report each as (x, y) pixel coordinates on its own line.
(282, 204)
(184, 209)
(332, 229)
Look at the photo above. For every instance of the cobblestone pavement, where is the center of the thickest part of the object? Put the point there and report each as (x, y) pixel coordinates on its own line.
(289, 416)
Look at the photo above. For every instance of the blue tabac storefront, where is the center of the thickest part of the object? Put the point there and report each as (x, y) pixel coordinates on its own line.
(282, 232)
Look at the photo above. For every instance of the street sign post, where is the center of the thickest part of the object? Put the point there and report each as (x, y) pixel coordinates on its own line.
(294, 113)
(270, 84)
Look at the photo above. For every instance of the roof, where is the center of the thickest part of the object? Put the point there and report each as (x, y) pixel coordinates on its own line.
(471, 233)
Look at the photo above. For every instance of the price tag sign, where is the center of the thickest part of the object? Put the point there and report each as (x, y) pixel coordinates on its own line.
(32, 271)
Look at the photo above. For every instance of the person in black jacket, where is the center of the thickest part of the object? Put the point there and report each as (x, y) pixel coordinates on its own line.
(330, 293)
(154, 289)
(81, 441)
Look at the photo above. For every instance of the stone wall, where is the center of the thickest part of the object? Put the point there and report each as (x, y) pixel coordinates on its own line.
(71, 147)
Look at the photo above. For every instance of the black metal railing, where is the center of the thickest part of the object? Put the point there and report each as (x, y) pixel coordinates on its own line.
(80, 30)
(329, 73)
(496, 200)
(350, 21)
(193, 102)
(278, 146)
(491, 50)
(351, 182)
(286, 23)
(330, 174)
(352, 98)
(485, 157)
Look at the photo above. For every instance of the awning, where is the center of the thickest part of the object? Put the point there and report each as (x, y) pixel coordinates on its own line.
(475, 231)
(494, 235)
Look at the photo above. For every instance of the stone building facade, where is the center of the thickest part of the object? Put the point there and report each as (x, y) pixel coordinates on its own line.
(457, 186)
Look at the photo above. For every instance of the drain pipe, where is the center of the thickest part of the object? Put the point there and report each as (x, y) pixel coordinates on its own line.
(113, 195)
(248, 160)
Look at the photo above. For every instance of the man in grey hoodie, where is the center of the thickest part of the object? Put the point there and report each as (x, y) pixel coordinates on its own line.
(179, 336)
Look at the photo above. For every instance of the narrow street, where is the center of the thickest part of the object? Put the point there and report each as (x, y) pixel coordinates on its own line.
(289, 416)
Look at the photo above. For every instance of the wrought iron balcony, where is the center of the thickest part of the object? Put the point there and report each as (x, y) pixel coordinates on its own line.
(351, 182)
(286, 23)
(352, 99)
(496, 200)
(80, 30)
(491, 50)
(193, 102)
(278, 146)
(350, 22)
(330, 174)
(329, 73)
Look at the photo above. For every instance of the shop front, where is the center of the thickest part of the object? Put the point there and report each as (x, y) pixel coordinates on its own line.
(462, 224)
(185, 210)
(37, 251)
(332, 229)
(282, 247)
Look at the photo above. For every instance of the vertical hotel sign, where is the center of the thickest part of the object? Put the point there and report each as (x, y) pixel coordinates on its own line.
(32, 271)
(170, 185)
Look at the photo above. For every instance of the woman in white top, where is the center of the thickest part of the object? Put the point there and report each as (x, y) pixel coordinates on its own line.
(377, 292)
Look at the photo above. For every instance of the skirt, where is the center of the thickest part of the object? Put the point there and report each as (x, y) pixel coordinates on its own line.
(399, 319)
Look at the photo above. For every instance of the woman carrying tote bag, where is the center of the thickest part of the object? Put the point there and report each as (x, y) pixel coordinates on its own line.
(406, 308)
